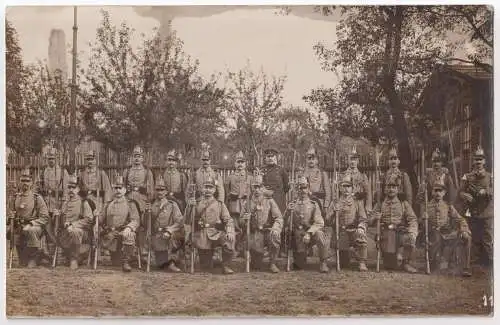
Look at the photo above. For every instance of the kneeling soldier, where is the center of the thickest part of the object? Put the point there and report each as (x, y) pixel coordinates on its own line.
(447, 228)
(266, 223)
(213, 227)
(399, 227)
(31, 216)
(307, 225)
(167, 227)
(352, 224)
(76, 220)
(120, 219)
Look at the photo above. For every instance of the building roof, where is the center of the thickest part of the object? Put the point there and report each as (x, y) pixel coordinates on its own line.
(471, 71)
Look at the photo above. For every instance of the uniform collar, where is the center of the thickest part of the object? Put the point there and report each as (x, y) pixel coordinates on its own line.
(393, 200)
(27, 194)
(138, 167)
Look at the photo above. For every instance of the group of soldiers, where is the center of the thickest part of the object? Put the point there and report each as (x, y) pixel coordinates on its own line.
(135, 215)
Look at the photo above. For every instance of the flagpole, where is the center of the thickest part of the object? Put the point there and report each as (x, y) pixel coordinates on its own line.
(72, 154)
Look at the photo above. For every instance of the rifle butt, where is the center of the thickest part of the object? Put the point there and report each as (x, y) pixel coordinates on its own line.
(54, 259)
(192, 260)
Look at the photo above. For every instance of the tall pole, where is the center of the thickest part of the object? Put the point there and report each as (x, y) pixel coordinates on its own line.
(72, 156)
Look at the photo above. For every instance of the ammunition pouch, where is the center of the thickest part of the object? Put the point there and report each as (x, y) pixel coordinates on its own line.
(360, 196)
(140, 189)
(319, 195)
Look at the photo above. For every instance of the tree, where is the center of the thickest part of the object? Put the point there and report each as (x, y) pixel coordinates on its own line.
(150, 96)
(253, 99)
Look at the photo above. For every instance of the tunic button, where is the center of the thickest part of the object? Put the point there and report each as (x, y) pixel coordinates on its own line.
(22, 206)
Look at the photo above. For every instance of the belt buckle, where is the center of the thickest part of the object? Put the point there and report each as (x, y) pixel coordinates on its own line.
(136, 189)
(160, 229)
(343, 227)
(113, 228)
(260, 227)
(171, 194)
(22, 206)
(391, 226)
(50, 192)
(300, 227)
(207, 225)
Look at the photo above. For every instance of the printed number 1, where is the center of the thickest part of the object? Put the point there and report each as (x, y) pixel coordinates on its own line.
(486, 300)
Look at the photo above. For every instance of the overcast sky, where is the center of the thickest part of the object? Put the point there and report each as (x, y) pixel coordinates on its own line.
(220, 40)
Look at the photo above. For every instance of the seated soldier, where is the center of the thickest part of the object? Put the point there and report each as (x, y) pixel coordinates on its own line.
(352, 224)
(30, 217)
(307, 227)
(119, 220)
(399, 227)
(266, 223)
(214, 227)
(76, 220)
(447, 228)
(167, 228)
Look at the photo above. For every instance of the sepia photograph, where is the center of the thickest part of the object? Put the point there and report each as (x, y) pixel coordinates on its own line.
(249, 160)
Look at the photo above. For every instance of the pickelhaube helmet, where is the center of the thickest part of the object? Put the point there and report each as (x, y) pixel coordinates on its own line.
(52, 152)
(210, 181)
(172, 154)
(271, 150)
(354, 152)
(479, 153)
(72, 180)
(436, 155)
(138, 151)
(240, 156)
(346, 179)
(160, 183)
(257, 179)
(392, 179)
(26, 174)
(205, 151)
(439, 182)
(393, 152)
(90, 154)
(302, 181)
(118, 181)
(311, 152)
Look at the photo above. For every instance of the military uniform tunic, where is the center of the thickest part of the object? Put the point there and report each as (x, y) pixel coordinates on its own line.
(166, 217)
(31, 209)
(54, 184)
(307, 219)
(79, 214)
(95, 183)
(176, 183)
(140, 185)
(237, 191)
(202, 175)
(361, 187)
(320, 185)
(276, 179)
(265, 216)
(118, 215)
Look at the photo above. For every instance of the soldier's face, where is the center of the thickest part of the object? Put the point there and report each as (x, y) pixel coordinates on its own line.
(119, 191)
(73, 190)
(138, 159)
(391, 190)
(162, 193)
(437, 164)
(346, 189)
(205, 162)
(270, 159)
(303, 190)
(240, 164)
(438, 193)
(478, 163)
(25, 184)
(52, 161)
(90, 162)
(394, 161)
(354, 162)
(258, 190)
(208, 191)
(171, 163)
(312, 161)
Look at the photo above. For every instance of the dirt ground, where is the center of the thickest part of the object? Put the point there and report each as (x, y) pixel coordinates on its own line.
(46, 292)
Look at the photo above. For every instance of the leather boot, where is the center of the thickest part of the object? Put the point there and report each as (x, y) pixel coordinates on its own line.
(73, 264)
(173, 268)
(128, 253)
(323, 268)
(256, 260)
(362, 252)
(31, 256)
(409, 260)
(272, 264)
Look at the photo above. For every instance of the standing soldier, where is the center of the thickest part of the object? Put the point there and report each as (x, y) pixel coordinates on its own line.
(176, 181)
(53, 182)
(266, 224)
(120, 220)
(405, 191)
(237, 188)
(352, 224)
(318, 179)
(398, 225)
(31, 216)
(140, 187)
(206, 172)
(476, 193)
(94, 182)
(275, 178)
(360, 184)
(446, 226)
(432, 175)
(77, 220)
(307, 225)
(167, 227)
(213, 227)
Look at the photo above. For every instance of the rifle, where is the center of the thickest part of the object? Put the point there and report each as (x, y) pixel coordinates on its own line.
(336, 196)
(12, 231)
(56, 250)
(247, 250)
(148, 238)
(379, 203)
(426, 219)
(192, 211)
(290, 224)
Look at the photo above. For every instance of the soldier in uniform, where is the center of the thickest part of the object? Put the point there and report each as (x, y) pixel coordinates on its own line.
(53, 182)
(360, 183)
(476, 193)
(266, 224)
(432, 175)
(140, 187)
(320, 184)
(275, 178)
(446, 228)
(307, 225)
(396, 215)
(94, 182)
(77, 219)
(352, 224)
(167, 227)
(405, 191)
(213, 227)
(237, 188)
(176, 181)
(120, 220)
(31, 216)
(206, 172)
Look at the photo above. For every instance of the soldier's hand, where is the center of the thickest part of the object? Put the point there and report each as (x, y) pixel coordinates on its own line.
(67, 224)
(147, 206)
(26, 227)
(336, 206)
(464, 235)
(231, 237)
(97, 213)
(291, 206)
(307, 238)
(245, 216)
(126, 232)
(482, 192)
(375, 215)
(425, 216)
(275, 235)
(360, 231)
(166, 235)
